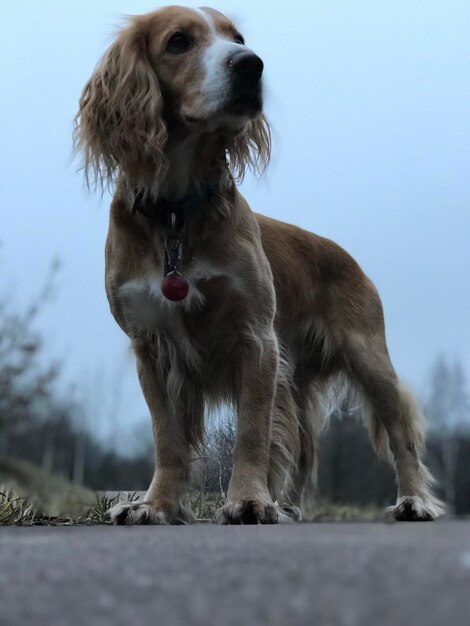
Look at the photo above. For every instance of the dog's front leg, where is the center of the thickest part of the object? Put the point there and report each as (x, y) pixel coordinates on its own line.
(164, 502)
(248, 498)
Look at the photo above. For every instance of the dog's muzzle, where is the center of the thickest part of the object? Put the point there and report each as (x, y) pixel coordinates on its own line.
(246, 69)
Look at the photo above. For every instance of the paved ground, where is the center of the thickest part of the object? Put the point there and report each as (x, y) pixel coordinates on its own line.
(322, 574)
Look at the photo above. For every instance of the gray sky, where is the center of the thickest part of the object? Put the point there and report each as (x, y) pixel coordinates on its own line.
(369, 103)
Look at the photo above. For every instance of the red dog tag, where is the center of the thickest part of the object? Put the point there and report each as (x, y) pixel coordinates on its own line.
(175, 287)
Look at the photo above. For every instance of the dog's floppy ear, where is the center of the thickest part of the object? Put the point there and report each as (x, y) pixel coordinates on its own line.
(119, 125)
(251, 148)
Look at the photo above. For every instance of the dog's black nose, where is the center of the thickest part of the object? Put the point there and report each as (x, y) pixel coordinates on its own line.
(247, 65)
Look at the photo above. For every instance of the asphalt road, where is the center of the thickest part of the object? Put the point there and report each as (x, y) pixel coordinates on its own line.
(323, 574)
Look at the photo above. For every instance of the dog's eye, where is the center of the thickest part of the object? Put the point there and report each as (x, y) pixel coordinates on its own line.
(239, 39)
(179, 42)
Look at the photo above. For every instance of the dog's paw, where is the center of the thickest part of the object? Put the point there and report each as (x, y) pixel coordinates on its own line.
(248, 512)
(415, 509)
(143, 513)
(288, 513)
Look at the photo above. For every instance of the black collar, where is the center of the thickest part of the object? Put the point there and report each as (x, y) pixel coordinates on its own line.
(161, 209)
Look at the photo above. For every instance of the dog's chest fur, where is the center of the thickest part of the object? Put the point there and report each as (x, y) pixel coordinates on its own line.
(197, 323)
(146, 308)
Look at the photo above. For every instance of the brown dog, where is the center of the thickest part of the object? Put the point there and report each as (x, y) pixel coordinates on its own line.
(221, 304)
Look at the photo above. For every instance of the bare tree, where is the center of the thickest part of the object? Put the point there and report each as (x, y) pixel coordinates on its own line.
(218, 455)
(25, 382)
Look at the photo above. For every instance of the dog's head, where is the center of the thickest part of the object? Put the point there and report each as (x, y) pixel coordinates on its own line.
(174, 68)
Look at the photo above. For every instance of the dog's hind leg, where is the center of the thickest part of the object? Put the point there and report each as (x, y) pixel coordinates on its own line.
(304, 474)
(396, 425)
(285, 449)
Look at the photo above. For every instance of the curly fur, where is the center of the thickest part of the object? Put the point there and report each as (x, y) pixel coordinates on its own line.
(120, 127)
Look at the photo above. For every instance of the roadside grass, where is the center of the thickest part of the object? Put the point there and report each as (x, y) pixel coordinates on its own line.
(205, 505)
(50, 496)
(16, 510)
(99, 513)
(31, 496)
(319, 510)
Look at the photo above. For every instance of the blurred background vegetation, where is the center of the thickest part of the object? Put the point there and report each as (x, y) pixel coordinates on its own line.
(46, 449)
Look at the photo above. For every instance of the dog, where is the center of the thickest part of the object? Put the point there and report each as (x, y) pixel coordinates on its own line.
(223, 305)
